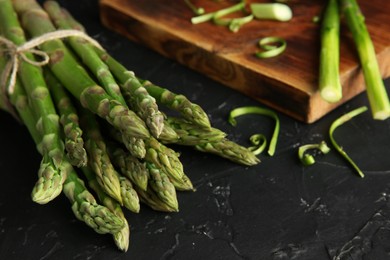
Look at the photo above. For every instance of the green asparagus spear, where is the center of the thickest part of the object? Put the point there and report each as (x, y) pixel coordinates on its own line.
(74, 143)
(129, 195)
(150, 198)
(162, 186)
(86, 209)
(51, 174)
(190, 111)
(376, 91)
(75, 78)
(86, 53)
(229, 150)
(129, 166)
(83, 204)
(135, 94)
(122, 237)
(191, 134)
(329, 78)
(98, 158)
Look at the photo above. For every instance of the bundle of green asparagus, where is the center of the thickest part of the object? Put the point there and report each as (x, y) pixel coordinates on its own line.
(95, 121)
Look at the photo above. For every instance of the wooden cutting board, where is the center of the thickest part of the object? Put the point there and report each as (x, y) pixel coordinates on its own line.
(287, 83)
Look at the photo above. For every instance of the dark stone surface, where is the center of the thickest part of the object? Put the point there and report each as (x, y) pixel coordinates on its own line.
(275, 210)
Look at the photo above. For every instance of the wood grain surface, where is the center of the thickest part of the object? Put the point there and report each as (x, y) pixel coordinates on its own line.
(287, 83)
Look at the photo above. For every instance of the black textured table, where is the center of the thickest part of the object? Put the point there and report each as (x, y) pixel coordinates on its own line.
(278, 209)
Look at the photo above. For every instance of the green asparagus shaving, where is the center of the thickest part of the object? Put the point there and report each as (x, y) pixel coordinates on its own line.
(195, 9)
(259, 142)
(272, 46)
(308, 159)
(262, 111)
(329, 78)
(272, 11)
(236, 23)
(338, 122)
(222, 12)
(376, 91)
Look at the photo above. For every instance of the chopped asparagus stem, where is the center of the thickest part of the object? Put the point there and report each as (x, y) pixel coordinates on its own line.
(329, 78)
(376, 91)
(272, 11)
(308, 159)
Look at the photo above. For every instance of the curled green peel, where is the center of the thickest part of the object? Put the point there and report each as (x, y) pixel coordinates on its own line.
(338, 122)
(261, 111)
(308, 159)
(272, 46)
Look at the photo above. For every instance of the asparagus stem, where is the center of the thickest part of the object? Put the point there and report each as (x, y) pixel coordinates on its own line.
(129, 166)
(329, 78)
(75, 78)
(162, 186)
(86, 209)
(51, 175)
(98, 158)
(74, 143)
(136, 95)
(150, 198)
(85, 52)
(166, 160)
(188, 110)
(121, 238)
(229, 150)
(84, 205)
(376, 91)
(190, 134)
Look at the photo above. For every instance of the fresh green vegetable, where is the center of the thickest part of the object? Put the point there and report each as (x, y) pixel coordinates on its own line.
(376, 91)
(272, 11)
(308, 159)
(329, 78)
(51, 175)
(272, 46)
(338, 122)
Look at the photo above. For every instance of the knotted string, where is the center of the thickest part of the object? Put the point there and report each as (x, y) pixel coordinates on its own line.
(8, 77)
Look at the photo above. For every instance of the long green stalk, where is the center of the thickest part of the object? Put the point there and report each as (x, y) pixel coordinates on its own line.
(135, 93)
(98, 158)
(376, 91)
(122, 237)
(51, 174)
(86, 53)
(329, 76)
(338, 122)
(229, 150)
(129, 166)
(75, 78)
(83, 203)
(74, 143)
